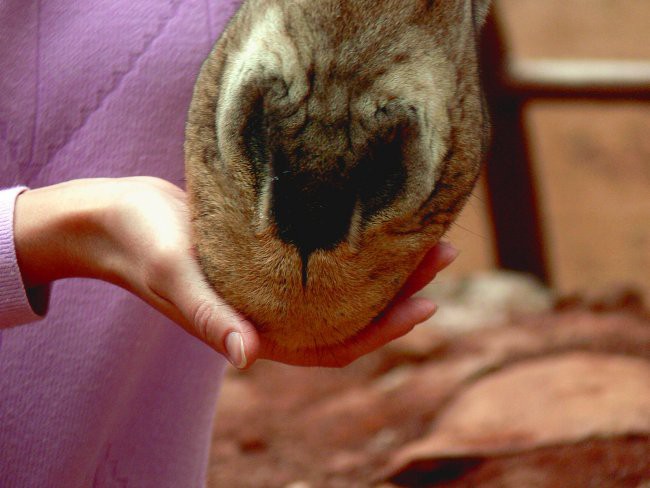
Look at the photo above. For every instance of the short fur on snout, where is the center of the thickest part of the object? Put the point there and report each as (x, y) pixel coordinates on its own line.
(329, 145)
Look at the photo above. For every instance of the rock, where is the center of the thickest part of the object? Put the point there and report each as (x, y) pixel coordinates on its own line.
(619, 462)
(345, 461)
(347, 419)
(298, 484)
(484, 299)
(422, 343)
(621, 297)
(550, 401)
(340, 428)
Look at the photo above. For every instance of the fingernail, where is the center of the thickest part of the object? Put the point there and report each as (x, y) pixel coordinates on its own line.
(448, 251)
(431, 312)
(235, 350)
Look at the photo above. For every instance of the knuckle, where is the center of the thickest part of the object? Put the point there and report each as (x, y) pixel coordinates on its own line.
(203, 317)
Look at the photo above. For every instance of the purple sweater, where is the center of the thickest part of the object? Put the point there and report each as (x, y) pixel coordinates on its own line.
(103, 391)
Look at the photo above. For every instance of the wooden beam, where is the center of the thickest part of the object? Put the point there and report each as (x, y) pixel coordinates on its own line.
(577, 78)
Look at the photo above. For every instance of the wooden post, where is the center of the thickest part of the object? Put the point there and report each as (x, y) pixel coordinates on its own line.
(509, 85)
(512, 195)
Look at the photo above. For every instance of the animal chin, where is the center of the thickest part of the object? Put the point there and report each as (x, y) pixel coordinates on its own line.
(344, 290)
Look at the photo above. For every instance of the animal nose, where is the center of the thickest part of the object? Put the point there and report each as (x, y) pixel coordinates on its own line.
(312, 212)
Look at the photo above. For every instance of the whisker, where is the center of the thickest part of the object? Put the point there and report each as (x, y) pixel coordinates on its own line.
(475, 195)
(470, 231)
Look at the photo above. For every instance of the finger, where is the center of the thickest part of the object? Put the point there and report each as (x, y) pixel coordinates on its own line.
(224, 329)
(434, 261)
(209, 317)
(397, 321)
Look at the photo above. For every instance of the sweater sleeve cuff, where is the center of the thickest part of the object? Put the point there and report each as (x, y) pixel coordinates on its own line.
(17, 304)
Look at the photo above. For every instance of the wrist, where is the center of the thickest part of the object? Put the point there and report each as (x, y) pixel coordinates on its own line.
(59, 232)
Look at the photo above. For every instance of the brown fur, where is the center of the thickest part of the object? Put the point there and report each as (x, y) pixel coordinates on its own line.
(327, 79)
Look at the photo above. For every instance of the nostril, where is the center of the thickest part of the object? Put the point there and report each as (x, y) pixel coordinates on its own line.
(312, 215)
(381, 174)
(311, 202)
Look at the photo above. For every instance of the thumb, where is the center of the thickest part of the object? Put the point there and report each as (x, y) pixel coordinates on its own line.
(208, 317)
(224, 329)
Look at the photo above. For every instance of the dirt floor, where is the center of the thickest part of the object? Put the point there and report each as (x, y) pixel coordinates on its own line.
(556, 391)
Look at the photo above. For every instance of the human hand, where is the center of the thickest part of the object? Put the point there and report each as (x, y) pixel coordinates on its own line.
(135, 232)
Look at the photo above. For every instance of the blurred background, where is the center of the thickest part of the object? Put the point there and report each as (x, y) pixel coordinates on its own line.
(589, 156)
(536, 369)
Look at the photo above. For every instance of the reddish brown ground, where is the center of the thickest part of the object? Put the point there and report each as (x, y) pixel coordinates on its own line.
(279, 426)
